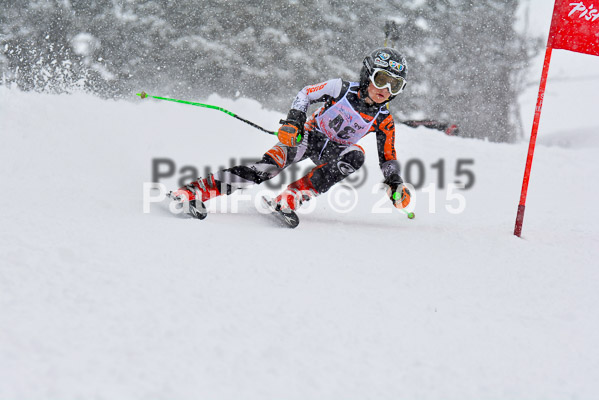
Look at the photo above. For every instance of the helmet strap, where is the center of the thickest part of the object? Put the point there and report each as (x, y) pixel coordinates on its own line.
(364, 95)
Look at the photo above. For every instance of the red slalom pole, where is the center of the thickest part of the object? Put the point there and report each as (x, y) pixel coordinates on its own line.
(531, 145)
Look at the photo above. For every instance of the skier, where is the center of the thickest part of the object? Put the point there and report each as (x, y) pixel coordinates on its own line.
(329, 138)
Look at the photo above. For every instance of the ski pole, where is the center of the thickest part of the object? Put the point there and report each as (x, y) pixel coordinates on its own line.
(144, 95)
(410, 214)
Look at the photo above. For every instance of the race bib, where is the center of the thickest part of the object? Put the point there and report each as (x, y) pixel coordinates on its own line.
(342, 124)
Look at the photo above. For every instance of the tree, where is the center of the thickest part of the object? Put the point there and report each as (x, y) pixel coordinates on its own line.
(470, 62)
(464, 56)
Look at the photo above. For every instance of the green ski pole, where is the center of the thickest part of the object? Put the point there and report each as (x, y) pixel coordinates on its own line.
(144, 95)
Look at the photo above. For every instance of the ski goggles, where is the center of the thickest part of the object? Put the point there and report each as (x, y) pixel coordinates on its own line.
(382, 79)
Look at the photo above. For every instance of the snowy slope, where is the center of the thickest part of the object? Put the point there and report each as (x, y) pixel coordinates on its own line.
(101, 300)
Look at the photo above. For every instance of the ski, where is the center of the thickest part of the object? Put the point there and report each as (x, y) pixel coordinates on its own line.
(287, 217)
(197, 208)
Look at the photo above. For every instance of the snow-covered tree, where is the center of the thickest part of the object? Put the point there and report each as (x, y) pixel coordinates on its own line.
(464, 55)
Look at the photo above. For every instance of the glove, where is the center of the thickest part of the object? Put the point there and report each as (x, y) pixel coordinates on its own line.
(289, 134)
(292, 129)
(398, 193)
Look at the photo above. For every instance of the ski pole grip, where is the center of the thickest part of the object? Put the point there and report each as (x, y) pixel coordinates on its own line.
(299, 135)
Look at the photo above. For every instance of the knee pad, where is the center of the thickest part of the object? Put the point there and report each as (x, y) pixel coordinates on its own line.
(350, 160)
(276, 156)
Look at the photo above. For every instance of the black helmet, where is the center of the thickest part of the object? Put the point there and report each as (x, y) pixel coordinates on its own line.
(384, 58)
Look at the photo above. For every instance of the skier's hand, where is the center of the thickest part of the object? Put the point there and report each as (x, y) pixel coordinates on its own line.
(289, 133)
(400, 196)
(398, 193)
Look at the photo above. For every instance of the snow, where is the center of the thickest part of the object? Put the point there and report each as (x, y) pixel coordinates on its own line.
(101, 300)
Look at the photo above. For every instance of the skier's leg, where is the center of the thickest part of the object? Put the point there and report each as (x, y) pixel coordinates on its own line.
(321, 178)
(228, 180)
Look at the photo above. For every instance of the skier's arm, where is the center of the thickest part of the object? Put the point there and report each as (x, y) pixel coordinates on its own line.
(316, 93)
(385, 138)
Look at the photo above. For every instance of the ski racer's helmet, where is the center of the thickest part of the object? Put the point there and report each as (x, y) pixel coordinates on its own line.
(384, 67)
